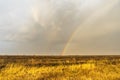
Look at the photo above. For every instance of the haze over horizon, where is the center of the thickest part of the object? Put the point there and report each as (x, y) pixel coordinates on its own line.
(60, 27)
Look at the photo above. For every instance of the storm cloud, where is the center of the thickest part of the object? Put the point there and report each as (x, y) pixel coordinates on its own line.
(54, 27)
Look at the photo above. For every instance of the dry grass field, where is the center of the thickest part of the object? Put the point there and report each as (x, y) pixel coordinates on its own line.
(59, 68)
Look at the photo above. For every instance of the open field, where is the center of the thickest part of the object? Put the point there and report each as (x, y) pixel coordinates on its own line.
(59, 67)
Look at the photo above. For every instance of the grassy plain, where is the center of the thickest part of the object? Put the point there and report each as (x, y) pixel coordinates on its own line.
(59, 67)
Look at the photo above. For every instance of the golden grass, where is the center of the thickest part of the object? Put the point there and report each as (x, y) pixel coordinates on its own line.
(61, 72)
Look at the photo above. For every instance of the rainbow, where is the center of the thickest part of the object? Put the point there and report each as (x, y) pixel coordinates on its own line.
(91, 19)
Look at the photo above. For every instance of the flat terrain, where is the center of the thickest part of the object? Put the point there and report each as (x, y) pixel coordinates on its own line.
(60, 67)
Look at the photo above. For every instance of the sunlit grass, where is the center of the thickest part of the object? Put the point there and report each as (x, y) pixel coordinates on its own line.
(61, 72)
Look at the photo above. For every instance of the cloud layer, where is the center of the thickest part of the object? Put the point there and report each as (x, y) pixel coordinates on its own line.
(46, 27)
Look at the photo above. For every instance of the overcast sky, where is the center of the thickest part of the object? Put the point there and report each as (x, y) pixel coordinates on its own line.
(55, 27)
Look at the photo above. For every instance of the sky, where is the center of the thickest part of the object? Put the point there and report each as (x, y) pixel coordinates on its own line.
(59, 27)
